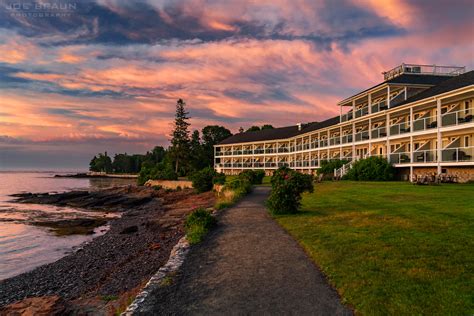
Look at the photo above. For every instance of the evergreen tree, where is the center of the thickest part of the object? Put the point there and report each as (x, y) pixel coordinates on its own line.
(180, 142)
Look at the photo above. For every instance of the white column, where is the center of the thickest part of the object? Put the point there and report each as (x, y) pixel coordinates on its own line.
(369, 103)
(438, 133)
(388, 97)
(411, 157)
(405, 91)
(411, 120)
(387, 124)
(370, 136)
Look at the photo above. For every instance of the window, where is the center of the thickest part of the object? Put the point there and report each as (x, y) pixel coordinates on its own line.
(380, 150)
(416, 145)
(466, 141)
(466, 107)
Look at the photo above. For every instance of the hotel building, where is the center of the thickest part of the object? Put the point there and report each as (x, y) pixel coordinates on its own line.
(420, 118)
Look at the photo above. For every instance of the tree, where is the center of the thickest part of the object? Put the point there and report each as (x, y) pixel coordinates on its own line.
(198, 159)
(102, 163)
(267, 126)
(213, 135)
(253, 129)
(241, 129)
(179, 150)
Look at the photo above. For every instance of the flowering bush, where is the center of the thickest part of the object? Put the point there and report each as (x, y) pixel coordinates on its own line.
(287, 187)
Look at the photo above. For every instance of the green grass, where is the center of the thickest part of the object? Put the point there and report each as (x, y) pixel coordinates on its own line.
(392, 247)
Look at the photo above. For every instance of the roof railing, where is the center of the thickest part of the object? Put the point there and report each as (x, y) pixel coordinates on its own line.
(423, 70)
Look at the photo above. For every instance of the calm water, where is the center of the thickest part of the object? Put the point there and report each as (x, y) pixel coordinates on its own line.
(23, 246)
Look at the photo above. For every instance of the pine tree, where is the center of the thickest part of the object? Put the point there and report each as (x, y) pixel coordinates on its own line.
(180, 142)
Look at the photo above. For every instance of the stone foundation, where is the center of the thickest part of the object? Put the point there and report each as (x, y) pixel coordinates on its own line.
(464, 174)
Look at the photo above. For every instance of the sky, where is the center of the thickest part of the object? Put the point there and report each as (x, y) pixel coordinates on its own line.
(104, 75)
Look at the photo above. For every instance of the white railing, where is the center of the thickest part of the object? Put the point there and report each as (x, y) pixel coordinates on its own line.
(459, 154)
(458, 117)
(423, 156)
(425, 123)
(423, 69)
(400, 158)
(362, 111)
(379, 132)
(400, 128)
(363, 135)
(379, 106)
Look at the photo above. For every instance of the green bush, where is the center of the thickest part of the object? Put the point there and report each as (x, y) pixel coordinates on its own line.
(161, 171)
(203, 179)
(219, 178)
(287, 187)
(253, 176)
(198, 224)
(371, 169)
(327, 167)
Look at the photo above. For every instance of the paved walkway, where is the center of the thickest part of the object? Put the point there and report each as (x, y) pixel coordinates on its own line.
(248, 265)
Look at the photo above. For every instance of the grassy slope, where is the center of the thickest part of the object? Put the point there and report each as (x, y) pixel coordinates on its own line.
(392, 248)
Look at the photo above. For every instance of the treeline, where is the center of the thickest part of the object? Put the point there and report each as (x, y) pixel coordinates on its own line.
(188, 152)
(124, 163)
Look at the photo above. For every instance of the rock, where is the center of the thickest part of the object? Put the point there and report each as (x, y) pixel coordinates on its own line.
(44, 305)
(130, 230)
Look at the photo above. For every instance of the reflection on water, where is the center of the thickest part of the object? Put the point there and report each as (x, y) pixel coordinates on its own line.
(24, 247)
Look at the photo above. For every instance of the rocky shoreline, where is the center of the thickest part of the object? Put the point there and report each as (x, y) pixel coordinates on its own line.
(104, 275)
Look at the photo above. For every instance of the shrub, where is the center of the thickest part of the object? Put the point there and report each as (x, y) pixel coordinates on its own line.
(161, 171)
(233, 191)
(327, 167)
(198, 224)
(287, 187)
(253, 176)
(371, 169)
(219, 178)
(203, 179)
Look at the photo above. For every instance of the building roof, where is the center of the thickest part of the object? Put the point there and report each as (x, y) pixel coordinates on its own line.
(452, 83)
(266, 134)
(445, 84)
(407, 79)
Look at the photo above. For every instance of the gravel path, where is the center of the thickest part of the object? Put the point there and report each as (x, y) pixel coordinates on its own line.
(248, 265)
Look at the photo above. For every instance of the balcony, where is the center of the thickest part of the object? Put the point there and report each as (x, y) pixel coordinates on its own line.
(364, 135)
(323, 143)
(461, 154)
(426, 123)
(315, 144)
(258, 151)
(270, 165)
(269, 151)
(334, 141)
(306, 146)
(379, 106)
(379, 132)
(347, 139)
(346, 117)
(282, 164)
(458, 117)
(362, 111)
(400, 158)
(424, 70)
(237, 152)
(247, 152)
(422, 156)
(401, 128)
(283, 150)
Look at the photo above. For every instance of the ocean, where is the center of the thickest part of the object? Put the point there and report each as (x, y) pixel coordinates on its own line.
(24, 246)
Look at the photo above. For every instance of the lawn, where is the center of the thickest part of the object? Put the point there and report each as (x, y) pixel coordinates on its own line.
(392, 247)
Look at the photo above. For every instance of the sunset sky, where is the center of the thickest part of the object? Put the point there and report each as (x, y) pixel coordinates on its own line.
(106, 76)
